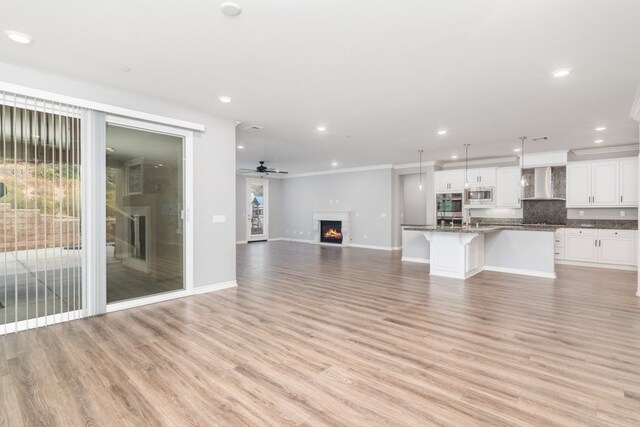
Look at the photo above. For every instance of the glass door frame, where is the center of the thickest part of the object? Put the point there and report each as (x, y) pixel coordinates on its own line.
(187, 137)
(265, 189)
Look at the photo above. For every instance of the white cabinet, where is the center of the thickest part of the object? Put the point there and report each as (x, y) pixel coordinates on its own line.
(629, 182)
(508, 189)
(605, 183)
(482, 177)
(602, 183)
(581, 248)
(449, 181)
(614, 247)
(578, 184)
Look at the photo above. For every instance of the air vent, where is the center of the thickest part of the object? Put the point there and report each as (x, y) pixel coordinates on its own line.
(252, 128)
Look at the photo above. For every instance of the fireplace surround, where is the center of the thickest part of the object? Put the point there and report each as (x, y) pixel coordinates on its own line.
(330, 218)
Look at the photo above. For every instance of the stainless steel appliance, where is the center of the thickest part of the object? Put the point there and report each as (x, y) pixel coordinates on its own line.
(449, 206)
(479, 196)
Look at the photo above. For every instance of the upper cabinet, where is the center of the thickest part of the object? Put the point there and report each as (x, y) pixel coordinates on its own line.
(629, 182)
(508, 189)
(449, 181)
(482, 177)
(602, 183)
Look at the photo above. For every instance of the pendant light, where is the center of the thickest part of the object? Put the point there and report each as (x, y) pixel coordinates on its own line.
(420, 186)
(523, 181)
(466, 166)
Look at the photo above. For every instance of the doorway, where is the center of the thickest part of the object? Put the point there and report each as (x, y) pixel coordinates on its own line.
(257, 210)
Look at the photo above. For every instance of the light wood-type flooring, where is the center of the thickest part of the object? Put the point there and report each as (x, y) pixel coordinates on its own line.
(327, 336)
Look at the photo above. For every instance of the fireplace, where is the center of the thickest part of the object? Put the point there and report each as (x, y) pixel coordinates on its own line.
(331, 232)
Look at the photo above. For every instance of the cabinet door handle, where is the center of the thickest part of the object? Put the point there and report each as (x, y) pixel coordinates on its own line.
(620, 199)
(595, 243)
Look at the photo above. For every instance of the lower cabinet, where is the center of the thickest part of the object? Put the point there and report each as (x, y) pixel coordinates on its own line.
(616, 247)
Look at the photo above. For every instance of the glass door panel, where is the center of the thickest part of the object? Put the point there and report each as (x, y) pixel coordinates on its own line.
(145, 193)
(257, 190)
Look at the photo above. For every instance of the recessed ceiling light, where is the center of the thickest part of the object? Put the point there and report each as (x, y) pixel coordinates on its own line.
(601, 128)
(561, 73)
(517, 150)
(230, 8)
(225, 99)
(334, 164)
(599, 141)
(240, 147)
(454, 157)
(442, 132)
(19, 37)
(321, 128)
(111, 149)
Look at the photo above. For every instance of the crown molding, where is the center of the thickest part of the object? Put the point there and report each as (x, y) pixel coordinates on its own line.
(414, 165)
(478, 162)
(635, 108)
(334, 171)
(606, 150)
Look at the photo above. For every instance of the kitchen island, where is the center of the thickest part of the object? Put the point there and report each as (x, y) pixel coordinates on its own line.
(461, 252)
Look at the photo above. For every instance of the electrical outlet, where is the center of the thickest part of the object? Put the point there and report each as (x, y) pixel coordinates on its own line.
(365, 237)
(622, 213)
(337, 202)
(383, 214)
(302, 233)
(330, 202)
(581, 213)
(219, 218)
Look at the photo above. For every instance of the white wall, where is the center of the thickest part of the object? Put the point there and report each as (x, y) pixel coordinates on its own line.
(214, 165)
(415, 201)
(367, 194)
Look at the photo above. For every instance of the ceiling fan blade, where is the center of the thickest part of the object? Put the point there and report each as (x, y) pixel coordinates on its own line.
(246, 170)
(278, 172)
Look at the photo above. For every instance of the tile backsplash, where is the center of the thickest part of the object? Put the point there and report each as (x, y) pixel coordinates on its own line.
(544, 212)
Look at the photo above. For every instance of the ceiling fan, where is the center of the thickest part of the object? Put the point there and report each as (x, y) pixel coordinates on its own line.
(262, 169)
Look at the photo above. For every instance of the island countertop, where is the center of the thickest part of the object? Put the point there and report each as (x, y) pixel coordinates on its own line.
(485, 229)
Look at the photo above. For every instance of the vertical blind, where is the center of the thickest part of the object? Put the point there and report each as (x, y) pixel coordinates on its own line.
(40, 213)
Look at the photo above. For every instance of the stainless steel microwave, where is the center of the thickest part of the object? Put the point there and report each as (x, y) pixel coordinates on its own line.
(479, 196)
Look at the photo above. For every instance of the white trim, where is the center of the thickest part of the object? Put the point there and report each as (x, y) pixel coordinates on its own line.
(345, 170)
(242, 242)
(418, 260)
(275, 239)
(478, 162)
(520, 271)
(635, 108)
(41, 322)
(380, 248)
(110, 109)
(286, 239)
(198, 290)
(606, 150)
(597, 265)
(546, 158)
(414, 165)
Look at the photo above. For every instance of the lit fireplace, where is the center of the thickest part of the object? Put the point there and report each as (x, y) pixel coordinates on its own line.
(331, 232)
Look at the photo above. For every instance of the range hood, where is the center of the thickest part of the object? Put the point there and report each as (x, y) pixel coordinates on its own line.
(543, 185)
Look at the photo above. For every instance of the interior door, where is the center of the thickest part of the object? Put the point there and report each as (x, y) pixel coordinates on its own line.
(257, 210)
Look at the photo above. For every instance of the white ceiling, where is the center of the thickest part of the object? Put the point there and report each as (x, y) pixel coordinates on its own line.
(383, 76)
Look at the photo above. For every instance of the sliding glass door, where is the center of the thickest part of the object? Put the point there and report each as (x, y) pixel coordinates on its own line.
(144, 213)
(40, 233)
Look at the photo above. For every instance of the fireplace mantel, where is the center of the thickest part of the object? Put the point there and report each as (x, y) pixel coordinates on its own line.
(343, 216)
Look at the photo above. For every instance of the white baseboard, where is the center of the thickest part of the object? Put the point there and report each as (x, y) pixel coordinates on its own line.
(275, 239)
(286, 239)
(380, 248)
(418, 260)
(597, 265)
(215, 287)
(520, 271)
(241, 242)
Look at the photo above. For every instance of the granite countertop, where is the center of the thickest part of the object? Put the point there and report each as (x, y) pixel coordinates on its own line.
(413, 225)
(486, 229)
